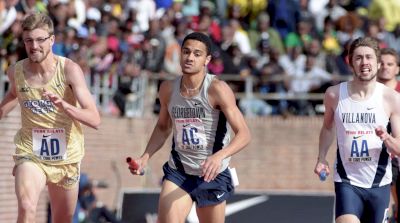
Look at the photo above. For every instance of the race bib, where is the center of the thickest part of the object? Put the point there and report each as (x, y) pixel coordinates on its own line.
(190, 134)
(49, 144)
(360, 148)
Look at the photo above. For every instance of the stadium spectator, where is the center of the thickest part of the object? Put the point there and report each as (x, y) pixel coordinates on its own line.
(396, 34)
(265, 35)
(32, 6)
(89, 209)
(246, 10)
(284, 15)
(332, 10)
(387, 9)
(153, 48)
(146, 12)
(349, 28)
(273, 79)
(387, 37)
(8, 14)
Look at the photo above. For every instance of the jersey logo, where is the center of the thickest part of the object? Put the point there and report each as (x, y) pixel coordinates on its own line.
(356, 137)
(39, 106)
(370, 108)
(24, 89)
(58, 85)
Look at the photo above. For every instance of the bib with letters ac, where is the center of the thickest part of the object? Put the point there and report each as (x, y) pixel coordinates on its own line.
(199, 130)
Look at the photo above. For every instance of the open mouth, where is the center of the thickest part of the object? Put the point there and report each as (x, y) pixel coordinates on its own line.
(365, 70)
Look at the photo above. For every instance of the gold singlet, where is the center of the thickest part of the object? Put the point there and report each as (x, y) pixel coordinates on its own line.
(47, 135)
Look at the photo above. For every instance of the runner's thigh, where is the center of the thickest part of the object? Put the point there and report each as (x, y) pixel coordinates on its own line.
(212, 214)
(30, 180)
(174, 203)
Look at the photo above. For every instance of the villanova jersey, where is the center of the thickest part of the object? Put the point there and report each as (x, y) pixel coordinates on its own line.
(47, 134)
(362, 158)
(198, 129)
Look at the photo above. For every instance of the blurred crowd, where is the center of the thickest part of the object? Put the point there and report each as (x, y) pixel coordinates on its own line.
(288, 46)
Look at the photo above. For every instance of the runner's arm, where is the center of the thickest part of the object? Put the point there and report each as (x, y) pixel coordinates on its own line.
(392, 141)
(87, 113)
(327, 133)
(10, 99)
(163, 127)
(224, 99)
(221, 97)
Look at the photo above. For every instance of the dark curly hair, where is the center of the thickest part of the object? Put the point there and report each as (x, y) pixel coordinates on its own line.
(199, 37)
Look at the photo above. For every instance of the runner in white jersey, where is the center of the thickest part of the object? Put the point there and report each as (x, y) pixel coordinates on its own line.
(199, 109)
(390, 67)
(358, 112)
(361, 151)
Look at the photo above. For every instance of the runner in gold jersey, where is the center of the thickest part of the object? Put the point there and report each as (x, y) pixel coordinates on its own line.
(54, 100)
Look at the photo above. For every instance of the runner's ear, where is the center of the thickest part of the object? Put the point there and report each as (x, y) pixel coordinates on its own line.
(208, 59)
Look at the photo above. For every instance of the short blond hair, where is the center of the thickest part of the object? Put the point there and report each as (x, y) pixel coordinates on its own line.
(36, 21)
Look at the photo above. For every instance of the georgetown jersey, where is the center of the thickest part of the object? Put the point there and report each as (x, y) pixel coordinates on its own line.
(198, 129)
(362, 158)
(47, 134)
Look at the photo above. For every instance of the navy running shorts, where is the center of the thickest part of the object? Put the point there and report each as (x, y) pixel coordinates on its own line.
(202, 192)
(370, 205)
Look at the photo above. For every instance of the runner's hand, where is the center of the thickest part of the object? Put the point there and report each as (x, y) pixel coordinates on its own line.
(211, 167)
(381, 133)
(320, 166)
(54, 98)
(136, 166)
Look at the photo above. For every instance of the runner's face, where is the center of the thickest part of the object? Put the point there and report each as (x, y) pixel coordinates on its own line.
(389, 68)
(365, 63)
(194, 57)
(38, 43)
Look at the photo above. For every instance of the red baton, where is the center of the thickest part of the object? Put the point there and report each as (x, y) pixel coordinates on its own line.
(134, 165)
